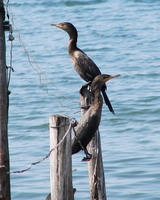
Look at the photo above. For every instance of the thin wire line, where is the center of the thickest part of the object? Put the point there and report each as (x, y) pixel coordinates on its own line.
(72, 123)
(38, 70)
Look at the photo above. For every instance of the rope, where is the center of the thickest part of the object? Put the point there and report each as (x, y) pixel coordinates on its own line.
(72, 123)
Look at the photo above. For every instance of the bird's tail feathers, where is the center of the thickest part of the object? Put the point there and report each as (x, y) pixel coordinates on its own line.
(107, 101)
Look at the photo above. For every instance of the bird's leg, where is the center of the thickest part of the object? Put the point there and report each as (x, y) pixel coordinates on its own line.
(88, 155)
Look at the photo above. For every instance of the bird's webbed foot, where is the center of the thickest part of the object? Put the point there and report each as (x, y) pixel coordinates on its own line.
(88, 155)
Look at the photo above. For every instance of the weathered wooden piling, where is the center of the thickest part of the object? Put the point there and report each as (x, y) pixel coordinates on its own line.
(96, 170)
(60, 158)
(95, 165)
(4, 150)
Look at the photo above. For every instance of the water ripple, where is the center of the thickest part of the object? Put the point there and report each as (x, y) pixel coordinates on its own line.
(121, 37)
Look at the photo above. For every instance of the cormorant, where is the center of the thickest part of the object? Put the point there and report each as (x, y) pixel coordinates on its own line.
(84, 66)
(90, 121)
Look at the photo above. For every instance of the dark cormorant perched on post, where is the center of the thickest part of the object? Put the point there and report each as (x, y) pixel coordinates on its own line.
(90, 121)
(84, 66)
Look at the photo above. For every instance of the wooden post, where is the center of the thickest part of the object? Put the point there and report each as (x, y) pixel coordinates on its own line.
(4, 152)
(96, 170)
(95, 165)
(60, 159)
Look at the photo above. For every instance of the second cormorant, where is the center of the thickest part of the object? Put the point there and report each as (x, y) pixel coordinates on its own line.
(90, 121)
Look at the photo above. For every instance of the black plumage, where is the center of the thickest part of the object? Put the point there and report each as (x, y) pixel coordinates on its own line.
(90, 121)
(84, 65)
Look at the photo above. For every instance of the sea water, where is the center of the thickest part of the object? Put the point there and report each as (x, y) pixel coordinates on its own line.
(122, 37)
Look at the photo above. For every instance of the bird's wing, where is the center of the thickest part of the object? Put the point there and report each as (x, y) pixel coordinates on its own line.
(85, 67)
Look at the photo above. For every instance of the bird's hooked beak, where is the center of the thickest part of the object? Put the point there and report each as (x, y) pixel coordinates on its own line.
(111, 77)
(58, 26)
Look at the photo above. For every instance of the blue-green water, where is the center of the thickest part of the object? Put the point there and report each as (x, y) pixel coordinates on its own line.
(121, 37)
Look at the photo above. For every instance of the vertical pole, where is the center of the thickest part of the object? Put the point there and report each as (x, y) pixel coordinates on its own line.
(4, 152)
(96, 170)
(95, 165)
(60, 159)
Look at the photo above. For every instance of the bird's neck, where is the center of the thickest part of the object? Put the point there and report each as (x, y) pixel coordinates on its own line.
(72, 45)
(97, 100)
